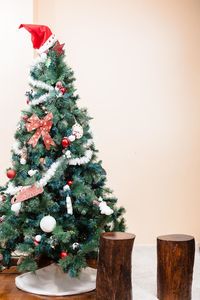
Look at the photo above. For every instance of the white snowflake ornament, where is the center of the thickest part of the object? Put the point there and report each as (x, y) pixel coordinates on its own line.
(105, 209)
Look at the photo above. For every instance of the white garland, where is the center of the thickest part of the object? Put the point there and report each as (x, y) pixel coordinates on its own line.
(12, 189)
(41, 99)
(38, 60)
(40, 84)
(50, 172)
(81, 160)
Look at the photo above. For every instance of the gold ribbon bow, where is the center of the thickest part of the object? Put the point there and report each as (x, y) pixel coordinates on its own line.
(42, 127)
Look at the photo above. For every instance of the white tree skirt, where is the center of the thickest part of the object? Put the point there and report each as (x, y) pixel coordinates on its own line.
(144, 273)
(51, 280)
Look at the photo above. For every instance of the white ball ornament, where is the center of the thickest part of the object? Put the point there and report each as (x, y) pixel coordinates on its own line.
(71, 138)
(16, 208)
(22, 161)
(38, 238)
(47, 224)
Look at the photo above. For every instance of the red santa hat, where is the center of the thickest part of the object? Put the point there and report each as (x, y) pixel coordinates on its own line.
(41, 36)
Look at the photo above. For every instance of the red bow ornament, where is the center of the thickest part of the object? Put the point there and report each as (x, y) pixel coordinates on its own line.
(42, 127)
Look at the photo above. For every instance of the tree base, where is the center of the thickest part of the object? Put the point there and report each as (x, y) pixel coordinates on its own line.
(52, 281)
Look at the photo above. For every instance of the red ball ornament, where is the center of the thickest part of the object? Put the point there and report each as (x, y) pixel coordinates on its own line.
(65, 142)
(69, 182)
(63, 254)
(11, 173)
(63, 90)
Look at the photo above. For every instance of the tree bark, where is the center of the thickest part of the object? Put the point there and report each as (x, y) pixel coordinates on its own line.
(114, 266)
(175, 261)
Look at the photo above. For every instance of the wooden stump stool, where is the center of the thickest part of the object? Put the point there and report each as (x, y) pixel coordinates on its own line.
(175, 261)
(114, 266)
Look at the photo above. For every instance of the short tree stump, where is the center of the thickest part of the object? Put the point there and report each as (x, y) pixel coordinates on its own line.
(175, 261)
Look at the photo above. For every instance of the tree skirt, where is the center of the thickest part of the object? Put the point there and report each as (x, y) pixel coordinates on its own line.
(52, 281)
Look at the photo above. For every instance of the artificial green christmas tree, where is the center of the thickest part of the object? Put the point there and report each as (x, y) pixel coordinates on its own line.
(56, 203)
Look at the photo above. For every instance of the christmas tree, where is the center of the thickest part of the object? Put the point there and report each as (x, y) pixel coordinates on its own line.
(56, 203)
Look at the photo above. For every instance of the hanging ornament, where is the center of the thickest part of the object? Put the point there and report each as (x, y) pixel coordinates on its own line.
(75, 246)
(2, 218)
(16, 208)
(27, 192)
(63, 254)
(69, 205)
(42, 159)
(105, 209)
(24, 117)
(2, 198)
(11, 173)
(66, 187)
(70, 182)
(23, 154)
(28, 96)
(38, 238)
(71, 138)
(22, 161)
(47, 224)
(32, 172)
(77, 130)
(63, 90)
(36, 243)
(59, 85)
(42, 126)
(65, 142)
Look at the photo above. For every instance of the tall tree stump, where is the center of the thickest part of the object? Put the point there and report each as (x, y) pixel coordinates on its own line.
(175, 261)
(114, 266)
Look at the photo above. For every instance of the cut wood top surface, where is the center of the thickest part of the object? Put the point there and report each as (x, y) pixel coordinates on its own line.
(118, 236)
(8, 291)
(176, 237)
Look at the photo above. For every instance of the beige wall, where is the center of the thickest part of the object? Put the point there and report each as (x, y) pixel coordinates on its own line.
(137, 67)
(15, 57)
